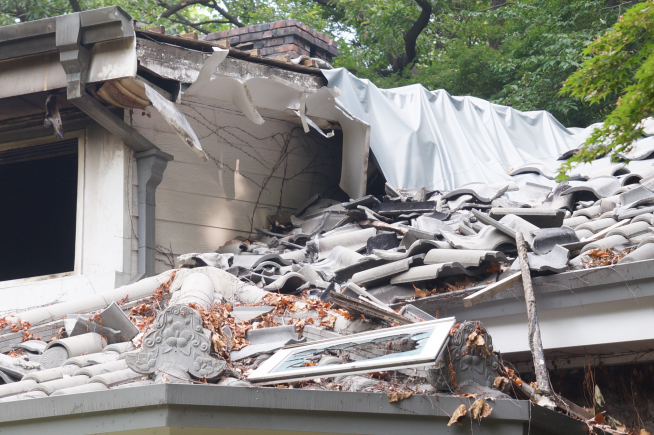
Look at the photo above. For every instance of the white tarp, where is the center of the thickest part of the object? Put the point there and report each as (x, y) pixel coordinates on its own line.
(432, 139)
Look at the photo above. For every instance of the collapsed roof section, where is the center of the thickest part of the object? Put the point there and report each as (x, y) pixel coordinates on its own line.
(101, 51)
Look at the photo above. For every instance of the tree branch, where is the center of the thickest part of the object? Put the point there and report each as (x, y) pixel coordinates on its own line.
(183, 20)
(496, 6)
(75, 5)
(232, 19)
(173, 9)
(411, 36)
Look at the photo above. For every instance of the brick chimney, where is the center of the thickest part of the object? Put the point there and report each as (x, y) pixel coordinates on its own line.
(279, 38)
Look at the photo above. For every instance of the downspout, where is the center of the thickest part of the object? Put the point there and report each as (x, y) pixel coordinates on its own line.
(150, 160)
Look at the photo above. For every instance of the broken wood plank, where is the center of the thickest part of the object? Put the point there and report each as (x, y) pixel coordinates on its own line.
(383, 226)
(157, 29)
(224, 43)
(310, 62)
(493, 289)
(191, 35)
(535, 342)
(256, 52)
(282, 58)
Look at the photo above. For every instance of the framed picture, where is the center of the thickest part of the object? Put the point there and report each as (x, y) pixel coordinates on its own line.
(413, 345)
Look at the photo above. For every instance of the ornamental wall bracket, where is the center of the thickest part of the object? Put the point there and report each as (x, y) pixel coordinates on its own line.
(469, 354)
(177, 337)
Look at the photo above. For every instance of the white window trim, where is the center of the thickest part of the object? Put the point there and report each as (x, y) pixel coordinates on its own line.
(265, 374)
(79, 223)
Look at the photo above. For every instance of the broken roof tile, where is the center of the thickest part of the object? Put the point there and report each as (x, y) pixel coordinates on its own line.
(483, 192)
(541, 217)
(487, 239)
(433, 271)
(546, 239)
(381, 274)
(600, 187)
(605, 243)
(465, 257)
(556, 260)
(537, 168)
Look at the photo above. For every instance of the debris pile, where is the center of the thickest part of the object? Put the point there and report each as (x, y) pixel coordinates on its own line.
(322, 299)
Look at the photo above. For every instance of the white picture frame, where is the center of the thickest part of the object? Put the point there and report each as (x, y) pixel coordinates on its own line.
(433, 334)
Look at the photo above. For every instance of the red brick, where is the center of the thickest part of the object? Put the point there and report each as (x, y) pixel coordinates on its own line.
(257, 36)
(272, 42)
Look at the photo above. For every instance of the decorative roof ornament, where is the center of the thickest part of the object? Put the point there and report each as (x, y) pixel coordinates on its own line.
(177, 338)
(469, 363)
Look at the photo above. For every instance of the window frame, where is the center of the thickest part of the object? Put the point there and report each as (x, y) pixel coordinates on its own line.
(265, 374)
(79, 218)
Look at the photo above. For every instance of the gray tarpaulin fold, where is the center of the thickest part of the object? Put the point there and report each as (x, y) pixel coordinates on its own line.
(432, 139)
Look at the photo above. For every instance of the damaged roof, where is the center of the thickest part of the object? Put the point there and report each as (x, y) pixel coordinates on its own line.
(333, 286)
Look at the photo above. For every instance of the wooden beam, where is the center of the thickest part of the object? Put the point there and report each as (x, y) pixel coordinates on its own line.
(535, 342)
(157, 29)
(224, 43)
(282, 58)
(493, 289)
(191, 35)
(112, 123)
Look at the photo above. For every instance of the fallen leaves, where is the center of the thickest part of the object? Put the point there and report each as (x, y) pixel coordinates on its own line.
(458, 415)
(299, 325)
(476, 341)
(500, 383)
(480, 409)
(16, 353)
(598, 419)
(423, 293)
(398, 396)
(604, 257)
(329, 322)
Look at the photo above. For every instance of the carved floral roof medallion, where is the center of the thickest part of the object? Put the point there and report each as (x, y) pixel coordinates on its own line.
(177, 336)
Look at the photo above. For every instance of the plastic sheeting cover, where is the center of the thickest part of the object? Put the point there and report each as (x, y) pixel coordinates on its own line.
(432, 139)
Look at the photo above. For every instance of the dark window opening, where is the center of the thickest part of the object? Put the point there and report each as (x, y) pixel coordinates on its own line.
(38, 210)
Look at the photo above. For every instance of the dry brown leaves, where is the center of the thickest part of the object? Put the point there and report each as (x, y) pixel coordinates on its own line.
(475, 340)
(424, 293)
(495, 267)
(458, 415)
(598, 419)
(604, 257)
(398, 396)
(329, 322)
(16, 353)
(460, 284)
(344, 313)
(215, 320)
(500, 382)
(480, 409)
(299, 324)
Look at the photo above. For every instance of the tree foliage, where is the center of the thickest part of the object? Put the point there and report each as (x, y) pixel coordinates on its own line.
(516, 52)
(621, 62)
